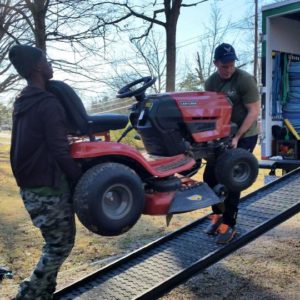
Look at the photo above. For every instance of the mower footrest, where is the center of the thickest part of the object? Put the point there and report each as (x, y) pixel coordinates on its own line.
(182, 161)
(192, 198)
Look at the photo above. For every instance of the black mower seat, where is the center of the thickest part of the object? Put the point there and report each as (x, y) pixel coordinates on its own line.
(79, 122)
(106, 122)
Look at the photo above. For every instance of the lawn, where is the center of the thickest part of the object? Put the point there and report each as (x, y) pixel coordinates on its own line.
(21, 243)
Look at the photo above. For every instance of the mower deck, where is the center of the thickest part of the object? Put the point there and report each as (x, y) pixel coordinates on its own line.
(194, 197)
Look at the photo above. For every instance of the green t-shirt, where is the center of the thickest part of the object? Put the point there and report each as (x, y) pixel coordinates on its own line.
(51, 191)
(241, 89)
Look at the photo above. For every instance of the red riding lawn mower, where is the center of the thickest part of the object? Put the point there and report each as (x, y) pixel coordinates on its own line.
(178, 130)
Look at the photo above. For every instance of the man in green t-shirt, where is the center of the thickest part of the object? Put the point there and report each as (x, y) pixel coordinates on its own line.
(241, 89)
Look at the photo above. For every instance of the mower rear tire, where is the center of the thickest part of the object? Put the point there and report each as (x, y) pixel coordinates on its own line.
(236, 169)
(109, 199)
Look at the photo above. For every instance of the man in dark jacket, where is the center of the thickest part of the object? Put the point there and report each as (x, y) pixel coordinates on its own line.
(43, 168)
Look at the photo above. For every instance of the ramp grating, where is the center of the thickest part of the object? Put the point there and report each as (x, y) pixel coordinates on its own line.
(160, 266)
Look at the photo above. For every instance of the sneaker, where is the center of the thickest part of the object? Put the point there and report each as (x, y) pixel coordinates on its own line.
(226, 234)
(215, 222)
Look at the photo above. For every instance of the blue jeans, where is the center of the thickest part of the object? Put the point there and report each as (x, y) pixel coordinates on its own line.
(231, 202)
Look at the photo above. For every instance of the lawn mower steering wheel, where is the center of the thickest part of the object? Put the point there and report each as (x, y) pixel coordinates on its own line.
(127, 92)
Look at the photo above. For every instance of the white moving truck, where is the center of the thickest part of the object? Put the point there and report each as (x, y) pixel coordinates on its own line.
(280, 119)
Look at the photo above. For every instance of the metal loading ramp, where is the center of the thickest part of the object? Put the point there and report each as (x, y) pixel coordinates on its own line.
(160, 266)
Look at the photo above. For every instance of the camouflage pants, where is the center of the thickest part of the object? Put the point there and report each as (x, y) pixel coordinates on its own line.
(54, 216)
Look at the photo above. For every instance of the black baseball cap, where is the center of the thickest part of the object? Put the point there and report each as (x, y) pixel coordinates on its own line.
(225, 53)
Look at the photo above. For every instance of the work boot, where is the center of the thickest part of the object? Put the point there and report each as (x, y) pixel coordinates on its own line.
(215, 222)
(225, 233)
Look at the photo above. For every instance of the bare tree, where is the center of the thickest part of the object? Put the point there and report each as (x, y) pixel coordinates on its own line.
(71, 27)
(215, 33)
(154, 59)
(190, 83)
(5, 114)
(8, 22)
(149, 59)
(250, 28)
(170, 9)
(255, 39)
(76, 26)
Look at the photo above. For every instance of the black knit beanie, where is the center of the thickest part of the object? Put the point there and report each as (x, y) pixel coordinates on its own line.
(24, 58)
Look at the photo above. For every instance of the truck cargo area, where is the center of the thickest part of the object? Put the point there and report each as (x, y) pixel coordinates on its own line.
(280, 117)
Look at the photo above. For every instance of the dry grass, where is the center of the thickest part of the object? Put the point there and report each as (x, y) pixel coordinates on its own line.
(20, 242)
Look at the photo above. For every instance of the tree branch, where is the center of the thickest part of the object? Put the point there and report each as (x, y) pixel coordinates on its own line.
(193, 4)
(19, 11)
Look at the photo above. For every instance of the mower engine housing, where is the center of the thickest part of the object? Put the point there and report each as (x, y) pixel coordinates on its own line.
(169, 123)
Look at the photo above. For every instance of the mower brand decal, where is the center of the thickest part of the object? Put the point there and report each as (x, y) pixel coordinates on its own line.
(195, 197)
(188, 103)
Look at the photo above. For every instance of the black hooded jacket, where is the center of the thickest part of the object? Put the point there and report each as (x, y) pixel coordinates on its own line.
(39, 148)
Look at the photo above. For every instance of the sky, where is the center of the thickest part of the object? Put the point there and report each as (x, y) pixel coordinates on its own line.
(191, 19)
(192, 23)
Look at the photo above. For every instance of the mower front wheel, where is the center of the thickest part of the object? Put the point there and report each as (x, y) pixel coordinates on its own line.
(236, 169)
(109, 199)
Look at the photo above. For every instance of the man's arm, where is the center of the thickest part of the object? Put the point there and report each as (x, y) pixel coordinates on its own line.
(252, 115)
